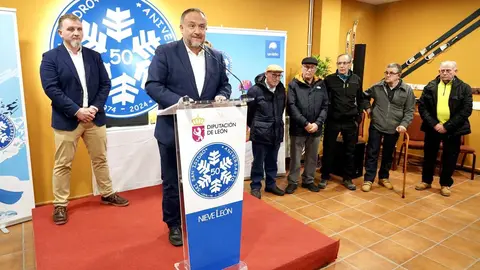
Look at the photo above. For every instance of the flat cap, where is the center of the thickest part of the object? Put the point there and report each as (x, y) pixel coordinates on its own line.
(310, 60)
(274, 68)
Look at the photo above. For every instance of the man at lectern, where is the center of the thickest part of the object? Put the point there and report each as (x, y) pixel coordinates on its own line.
(265, 120)
(182, 68)
(76, 81)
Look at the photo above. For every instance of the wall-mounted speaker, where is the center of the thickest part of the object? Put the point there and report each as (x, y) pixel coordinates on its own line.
(359, 59)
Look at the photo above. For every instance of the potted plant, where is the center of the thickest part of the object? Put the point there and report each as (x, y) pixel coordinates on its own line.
(323, 68)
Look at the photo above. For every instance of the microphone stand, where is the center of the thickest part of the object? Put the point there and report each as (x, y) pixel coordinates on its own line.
(243, 96)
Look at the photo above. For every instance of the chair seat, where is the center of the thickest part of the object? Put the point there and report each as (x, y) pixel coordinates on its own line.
(416, 144)
(467, 149)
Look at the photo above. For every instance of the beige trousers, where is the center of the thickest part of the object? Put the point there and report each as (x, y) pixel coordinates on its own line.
(66, 142)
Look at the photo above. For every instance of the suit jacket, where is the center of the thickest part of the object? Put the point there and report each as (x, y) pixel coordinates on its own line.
(170, 77)
(61, 83)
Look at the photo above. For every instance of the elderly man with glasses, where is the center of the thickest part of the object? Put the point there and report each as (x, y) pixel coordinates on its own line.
(445, 105)
(391, 114)
(346, 103)
(265, 120)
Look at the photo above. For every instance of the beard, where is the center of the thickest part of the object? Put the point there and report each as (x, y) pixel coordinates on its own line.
(75, 43)
(195, 44)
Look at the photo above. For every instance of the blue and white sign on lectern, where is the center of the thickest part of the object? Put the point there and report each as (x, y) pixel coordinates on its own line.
(210, 141)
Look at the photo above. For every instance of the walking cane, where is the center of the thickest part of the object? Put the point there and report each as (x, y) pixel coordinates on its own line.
(405, 163)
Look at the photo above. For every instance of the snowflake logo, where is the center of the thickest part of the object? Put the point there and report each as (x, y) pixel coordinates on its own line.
(214, 170)
(7, 131)
(126, 34)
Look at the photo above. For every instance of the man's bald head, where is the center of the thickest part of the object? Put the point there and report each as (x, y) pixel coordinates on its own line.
(447, 71)
(449, 64)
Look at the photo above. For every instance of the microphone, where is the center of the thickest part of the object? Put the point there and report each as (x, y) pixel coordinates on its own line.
(242, 88)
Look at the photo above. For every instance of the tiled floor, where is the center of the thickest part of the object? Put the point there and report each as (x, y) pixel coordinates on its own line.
(380, 230)
(17, 250)
(377, 230)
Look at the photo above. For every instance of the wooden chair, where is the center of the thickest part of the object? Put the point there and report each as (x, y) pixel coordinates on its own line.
(465, 150)
(361, 129)
(415, 135)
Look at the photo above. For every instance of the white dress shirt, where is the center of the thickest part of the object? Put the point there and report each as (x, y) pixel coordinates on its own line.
(80, 67)
(198, 67)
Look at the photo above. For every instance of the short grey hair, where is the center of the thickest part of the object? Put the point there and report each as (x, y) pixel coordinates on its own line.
(189, 11)
(452, 64)
(345, 54)
(396, 66)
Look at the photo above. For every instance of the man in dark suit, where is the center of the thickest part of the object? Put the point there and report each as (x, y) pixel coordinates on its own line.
(178, 69)
(76, 81)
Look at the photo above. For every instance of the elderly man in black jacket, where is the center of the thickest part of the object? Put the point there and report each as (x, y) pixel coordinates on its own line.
(265, 119)
(445, 105)
(346, 103)
(307, 105)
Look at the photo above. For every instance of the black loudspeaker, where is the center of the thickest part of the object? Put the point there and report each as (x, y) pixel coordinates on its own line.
(359, 155)
(359, 59)
(139, 120)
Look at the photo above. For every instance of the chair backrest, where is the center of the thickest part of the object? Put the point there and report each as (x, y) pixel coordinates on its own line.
(361, 126)
(414, 130)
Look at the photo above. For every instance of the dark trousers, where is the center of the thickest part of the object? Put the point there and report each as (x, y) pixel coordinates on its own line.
(349, 130)
(264, 163)
(451, 149)
(373, 149)
(171, 199)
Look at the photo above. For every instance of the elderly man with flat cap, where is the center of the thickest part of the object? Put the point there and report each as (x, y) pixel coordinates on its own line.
(307, 105)
(265, 120)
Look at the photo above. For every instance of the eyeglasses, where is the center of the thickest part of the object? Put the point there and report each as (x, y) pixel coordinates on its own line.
(279, 76)
(390, 73)
(343, 63)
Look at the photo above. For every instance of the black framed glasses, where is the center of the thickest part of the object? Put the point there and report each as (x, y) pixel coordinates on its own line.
(390, 73)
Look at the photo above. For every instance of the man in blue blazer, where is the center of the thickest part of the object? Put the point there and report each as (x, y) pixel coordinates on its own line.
(76, 81)
(178, 69)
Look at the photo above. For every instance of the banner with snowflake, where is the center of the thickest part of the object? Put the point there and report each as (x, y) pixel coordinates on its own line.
(126, 34)
(16, 188)
(212, 154)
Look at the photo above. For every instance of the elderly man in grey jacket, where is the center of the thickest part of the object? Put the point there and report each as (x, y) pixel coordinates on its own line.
(391, 114)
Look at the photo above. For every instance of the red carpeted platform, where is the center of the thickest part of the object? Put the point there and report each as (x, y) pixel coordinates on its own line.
(134, 237)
